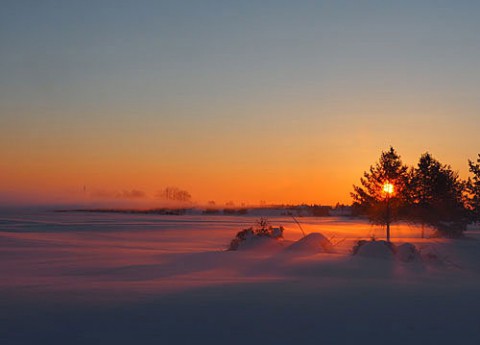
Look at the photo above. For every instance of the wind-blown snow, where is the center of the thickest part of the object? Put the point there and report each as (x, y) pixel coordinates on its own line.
(86, 278)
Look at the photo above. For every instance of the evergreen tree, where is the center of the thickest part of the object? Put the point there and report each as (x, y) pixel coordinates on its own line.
(473, 189)
(370, 198)
(436, 197)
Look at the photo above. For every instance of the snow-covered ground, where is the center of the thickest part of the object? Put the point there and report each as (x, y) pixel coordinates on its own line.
(97, 278)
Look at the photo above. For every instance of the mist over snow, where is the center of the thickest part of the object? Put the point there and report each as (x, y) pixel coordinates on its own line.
(88, 278)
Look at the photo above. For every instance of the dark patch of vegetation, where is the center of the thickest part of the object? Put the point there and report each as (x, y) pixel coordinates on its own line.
(174, 194)
(235, 211)
(211, 211)
(262, 229)
(320, 211)
(473, 189)
(306, 210)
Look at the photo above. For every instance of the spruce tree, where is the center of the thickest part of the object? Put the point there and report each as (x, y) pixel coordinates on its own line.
(473, 189)
(370, 198)
(436, 197)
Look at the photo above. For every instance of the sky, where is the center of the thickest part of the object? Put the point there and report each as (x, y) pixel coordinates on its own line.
(243, 101)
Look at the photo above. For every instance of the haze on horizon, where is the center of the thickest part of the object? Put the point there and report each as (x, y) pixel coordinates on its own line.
(281, 101)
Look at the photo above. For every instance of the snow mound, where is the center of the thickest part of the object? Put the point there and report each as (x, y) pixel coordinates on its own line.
(312, 243)
(407, 252)
(374, 249)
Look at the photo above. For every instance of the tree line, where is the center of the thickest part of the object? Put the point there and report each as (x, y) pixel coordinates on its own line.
(430, 194)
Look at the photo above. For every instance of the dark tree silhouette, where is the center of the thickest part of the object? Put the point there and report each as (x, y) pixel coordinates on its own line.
(370, 198)
(435, 197)
(174, 194)
(473, 189)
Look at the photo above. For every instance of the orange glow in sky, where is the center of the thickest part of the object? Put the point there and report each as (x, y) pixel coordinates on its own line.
(244, 102)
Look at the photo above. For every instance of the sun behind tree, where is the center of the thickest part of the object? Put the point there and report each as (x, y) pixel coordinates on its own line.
(382, 189)
(388, 188)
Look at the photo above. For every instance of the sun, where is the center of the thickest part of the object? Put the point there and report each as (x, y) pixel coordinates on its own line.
(388, 188)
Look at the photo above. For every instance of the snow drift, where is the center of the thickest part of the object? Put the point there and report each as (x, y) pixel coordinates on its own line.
(374, 249)
(311, 244)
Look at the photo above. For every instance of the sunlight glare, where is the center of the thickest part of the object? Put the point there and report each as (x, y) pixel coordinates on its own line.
(388, 188)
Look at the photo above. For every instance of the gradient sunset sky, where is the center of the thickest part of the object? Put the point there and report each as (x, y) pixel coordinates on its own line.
(281, 101)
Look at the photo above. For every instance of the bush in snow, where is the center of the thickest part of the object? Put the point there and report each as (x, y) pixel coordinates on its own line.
(243, 235)
(263, 230)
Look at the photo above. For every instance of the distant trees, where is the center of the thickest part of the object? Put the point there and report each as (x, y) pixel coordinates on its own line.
(174, 194)
(430, 194)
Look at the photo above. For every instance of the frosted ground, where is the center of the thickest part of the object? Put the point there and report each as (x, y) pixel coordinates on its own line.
(88, 278)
